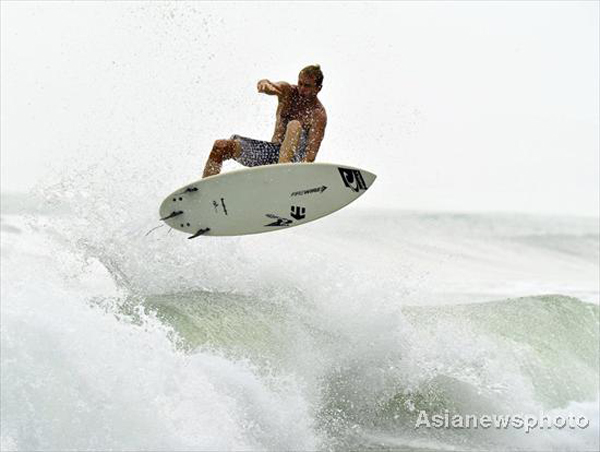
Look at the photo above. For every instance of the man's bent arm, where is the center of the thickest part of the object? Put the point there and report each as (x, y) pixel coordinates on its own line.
(315, 137)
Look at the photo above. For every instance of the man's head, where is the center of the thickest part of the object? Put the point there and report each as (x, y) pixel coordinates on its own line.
(310, 81)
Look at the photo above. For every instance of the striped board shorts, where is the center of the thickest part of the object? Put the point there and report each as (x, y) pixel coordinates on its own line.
(257, 153)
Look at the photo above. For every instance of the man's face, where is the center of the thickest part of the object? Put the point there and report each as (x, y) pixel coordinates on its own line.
(307, 87)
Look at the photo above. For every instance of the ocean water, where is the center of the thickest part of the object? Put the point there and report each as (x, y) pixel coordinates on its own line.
(330, 336)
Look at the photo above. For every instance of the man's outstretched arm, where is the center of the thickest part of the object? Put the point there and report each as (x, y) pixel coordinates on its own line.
(273, 88)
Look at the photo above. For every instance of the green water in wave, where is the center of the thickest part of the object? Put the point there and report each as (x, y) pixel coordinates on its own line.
(551, 342)
(554, 339)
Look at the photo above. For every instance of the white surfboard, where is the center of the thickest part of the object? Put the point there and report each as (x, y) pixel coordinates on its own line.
(263, 199)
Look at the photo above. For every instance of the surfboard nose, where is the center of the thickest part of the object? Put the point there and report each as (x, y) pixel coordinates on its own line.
(356, 179)
(369, 178)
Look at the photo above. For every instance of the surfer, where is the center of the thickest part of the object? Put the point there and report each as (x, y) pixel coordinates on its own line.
(299, 128)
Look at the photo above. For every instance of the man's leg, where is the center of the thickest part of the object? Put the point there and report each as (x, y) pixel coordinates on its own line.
(222, 150)
(290, 142)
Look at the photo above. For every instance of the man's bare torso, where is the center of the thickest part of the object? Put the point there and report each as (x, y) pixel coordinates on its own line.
(291, 107)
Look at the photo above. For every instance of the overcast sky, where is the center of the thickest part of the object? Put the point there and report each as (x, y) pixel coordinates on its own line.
(467, 106)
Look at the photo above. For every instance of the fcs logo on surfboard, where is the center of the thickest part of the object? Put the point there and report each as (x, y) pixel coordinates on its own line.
(352, 179)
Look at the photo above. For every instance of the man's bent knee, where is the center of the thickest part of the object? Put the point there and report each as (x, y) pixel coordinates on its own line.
(225, 149)
(293, 128)
(290, 142)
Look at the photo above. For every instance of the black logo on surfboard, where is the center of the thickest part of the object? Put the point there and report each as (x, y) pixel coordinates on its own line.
(353, 179)
(216, 206)
(298, 212)
(310, 191)
(280, 220)
(223, 205)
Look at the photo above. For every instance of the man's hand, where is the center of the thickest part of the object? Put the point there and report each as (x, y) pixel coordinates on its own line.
(267, 87)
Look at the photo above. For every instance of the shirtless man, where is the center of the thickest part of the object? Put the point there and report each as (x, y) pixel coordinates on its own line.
(299, 130)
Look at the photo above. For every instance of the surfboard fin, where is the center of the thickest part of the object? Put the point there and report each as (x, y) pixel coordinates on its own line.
(174, 214)
(200, 232)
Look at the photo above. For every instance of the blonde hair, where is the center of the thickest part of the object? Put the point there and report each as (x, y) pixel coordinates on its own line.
(314, 71)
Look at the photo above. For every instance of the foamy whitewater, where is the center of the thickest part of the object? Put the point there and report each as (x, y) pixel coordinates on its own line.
(330, 336)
